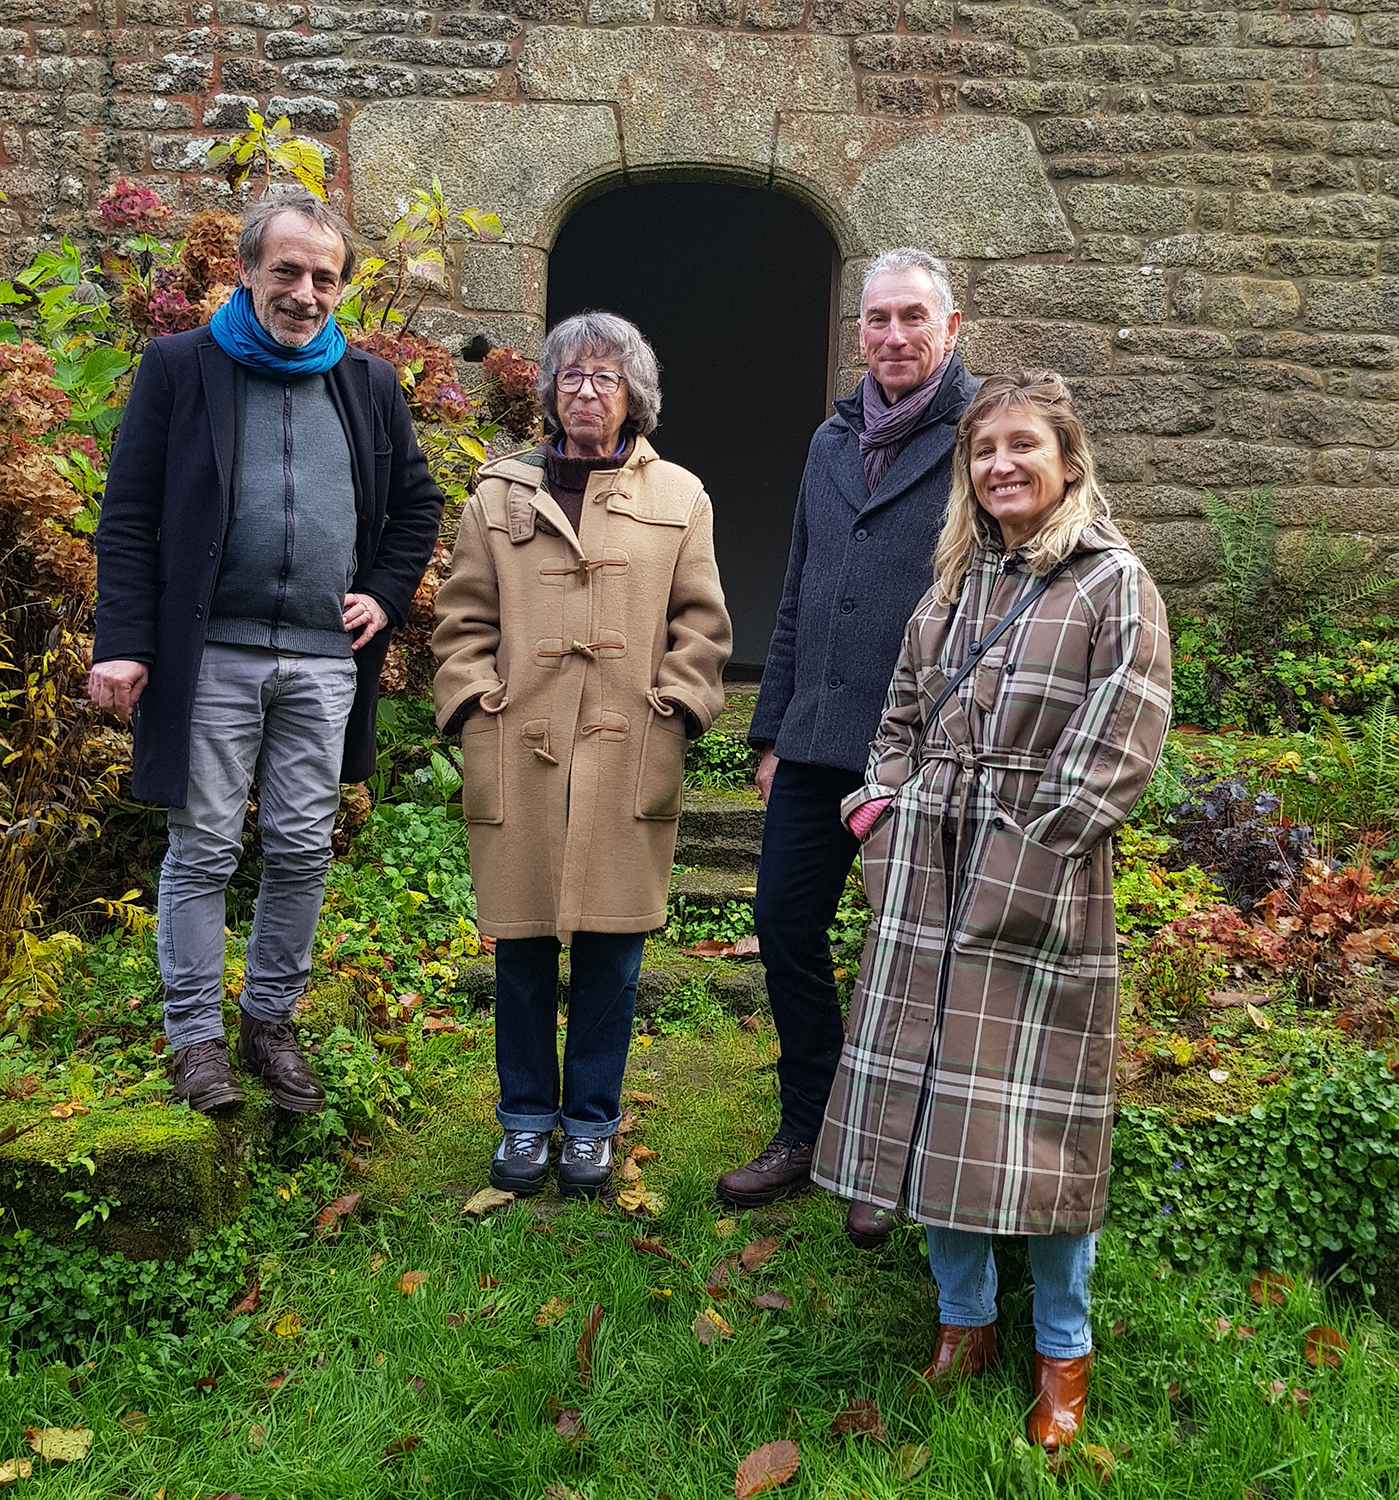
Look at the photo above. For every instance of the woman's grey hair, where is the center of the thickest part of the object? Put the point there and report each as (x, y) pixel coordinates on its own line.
(602, 335)
(257, 216)
(908, 258)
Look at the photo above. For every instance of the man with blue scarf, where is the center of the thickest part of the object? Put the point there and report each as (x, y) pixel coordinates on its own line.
(268, 516)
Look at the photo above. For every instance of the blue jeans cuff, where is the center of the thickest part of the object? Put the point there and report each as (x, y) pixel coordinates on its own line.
(540, 1123)
(955, 1322)
(1065, 1351)
(271, 1011)
(590, 1130)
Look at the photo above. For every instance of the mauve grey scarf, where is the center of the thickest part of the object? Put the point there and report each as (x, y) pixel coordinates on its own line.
(887, 427)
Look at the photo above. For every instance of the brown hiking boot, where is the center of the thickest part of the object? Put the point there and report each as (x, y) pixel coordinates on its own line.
(203, 1074)
(781, 1170)
(270, 1050)
(868, 1227)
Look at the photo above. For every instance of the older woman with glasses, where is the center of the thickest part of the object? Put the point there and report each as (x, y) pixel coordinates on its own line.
(581, 638)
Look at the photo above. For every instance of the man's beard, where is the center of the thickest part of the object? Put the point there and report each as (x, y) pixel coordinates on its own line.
(313, 324)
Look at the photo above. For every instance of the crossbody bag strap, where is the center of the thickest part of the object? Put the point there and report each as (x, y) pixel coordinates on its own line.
(978, 649)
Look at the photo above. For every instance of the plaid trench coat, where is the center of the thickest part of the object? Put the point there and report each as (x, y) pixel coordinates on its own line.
(975, 1089)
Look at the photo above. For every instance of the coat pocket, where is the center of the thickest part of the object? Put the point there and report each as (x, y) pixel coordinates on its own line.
(1025, 903)
(483, 770)
(874, 859)
(662, 771)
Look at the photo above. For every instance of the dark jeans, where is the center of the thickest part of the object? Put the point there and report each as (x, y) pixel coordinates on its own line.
(807, 853)
(604, 968)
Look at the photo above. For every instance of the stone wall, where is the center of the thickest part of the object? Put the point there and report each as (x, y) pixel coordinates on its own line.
(1192, 211)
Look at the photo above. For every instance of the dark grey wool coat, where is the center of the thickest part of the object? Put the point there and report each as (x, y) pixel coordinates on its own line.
(859, 564)
(166, 513)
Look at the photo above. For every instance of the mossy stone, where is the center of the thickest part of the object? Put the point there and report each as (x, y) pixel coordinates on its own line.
(171, 1176)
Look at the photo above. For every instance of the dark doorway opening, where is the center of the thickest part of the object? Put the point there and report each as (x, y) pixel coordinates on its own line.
(733, 286)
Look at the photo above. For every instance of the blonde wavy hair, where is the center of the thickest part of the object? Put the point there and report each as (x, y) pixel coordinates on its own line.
(968, 527)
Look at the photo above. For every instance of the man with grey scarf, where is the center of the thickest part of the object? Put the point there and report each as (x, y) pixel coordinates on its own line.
(868, 516)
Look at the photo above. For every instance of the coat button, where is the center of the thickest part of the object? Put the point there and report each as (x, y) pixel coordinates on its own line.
(998, 824)
(861, 534)
(847, 606)
(198, 611)
(834, 682)
(213, 549)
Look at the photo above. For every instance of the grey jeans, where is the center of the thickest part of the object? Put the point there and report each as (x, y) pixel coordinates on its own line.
(283, 717)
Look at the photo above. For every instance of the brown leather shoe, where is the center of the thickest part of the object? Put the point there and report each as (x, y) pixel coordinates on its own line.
(270, 1050)
(961, 1353)
(203, 1074)
(867, 1227)
(1061, 1387)
(780, 1170)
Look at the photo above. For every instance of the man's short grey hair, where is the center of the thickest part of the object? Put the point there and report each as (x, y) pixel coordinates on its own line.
(908, 258)
(257, 216)
(602, 335)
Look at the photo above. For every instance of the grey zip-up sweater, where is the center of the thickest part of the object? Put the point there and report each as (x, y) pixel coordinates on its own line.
(289, 555)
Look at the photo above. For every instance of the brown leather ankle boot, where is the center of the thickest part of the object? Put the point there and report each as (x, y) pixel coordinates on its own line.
(1061, 1388)
(203, 1074)
(867, 1227)
(961, 1353)
(270, 1050)
(782, 1169)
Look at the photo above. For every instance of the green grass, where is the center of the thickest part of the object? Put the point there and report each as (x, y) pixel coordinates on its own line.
(1188, 1411)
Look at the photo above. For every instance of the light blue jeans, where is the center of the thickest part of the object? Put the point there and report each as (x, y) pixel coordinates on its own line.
(282, 717)
(963, 1264)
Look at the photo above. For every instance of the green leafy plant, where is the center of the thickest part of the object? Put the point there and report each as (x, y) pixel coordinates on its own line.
(719, 762)
(273, 149)
(1308, 1173)
(1248, 660)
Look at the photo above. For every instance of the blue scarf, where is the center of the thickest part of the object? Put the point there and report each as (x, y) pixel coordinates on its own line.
(238, 333)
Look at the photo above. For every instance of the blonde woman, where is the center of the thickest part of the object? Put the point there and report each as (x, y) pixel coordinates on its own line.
(975, 1089)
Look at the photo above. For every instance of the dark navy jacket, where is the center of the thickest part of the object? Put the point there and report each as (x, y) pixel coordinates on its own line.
(859, 564)
(165, 516)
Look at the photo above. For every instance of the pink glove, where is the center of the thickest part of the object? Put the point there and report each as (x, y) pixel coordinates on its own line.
(863, 818)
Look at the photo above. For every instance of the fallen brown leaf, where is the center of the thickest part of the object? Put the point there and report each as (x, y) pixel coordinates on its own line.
(911, 1459)
(766, 1468)
(377, 1261)
(642, 1153)
(410, 1281)
(749, 1023)
(1324, 1348)
(277, 1381)
(859, 1418)
(135, 1422)
(746, 947)
(569, 1425)
(654, 1247)
(487, 1199)
(773, 1301)
(629, 1171)
(560, 1492)
(257, 1436)
(206, 1385)
(1102, 1461)
(756, 1252)
(709, 1326)
(717, 1284)
(15, 1468)
(333, 1216)
(1270, 1286)
(398, 1449)
(585, 1343)
(250, 1301)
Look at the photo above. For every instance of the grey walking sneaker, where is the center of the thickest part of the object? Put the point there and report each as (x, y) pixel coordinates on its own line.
(521, 1162)
(585, 1165)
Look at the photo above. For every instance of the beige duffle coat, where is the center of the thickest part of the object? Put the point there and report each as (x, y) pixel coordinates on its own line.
(976, 1085)
(571, 781)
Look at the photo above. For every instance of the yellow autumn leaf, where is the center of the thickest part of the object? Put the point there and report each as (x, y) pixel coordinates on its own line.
(709, 1326)
(551, 1312)
(287, 1326)
(1258, 1018)
(60, 1445)
(488, 1198)
(410, 1281)
(15, 1468)
(640, 1199)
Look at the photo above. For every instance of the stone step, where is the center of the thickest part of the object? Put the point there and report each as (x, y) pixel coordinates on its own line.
(740, 988)
(704, 885)
(721, 829)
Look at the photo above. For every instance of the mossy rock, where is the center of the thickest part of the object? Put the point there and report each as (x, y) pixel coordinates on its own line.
(171, 1176)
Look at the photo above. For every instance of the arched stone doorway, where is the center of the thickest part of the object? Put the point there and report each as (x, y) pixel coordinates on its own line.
(734, 287)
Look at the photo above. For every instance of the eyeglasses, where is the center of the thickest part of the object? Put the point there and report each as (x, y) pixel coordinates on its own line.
(604, 382)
